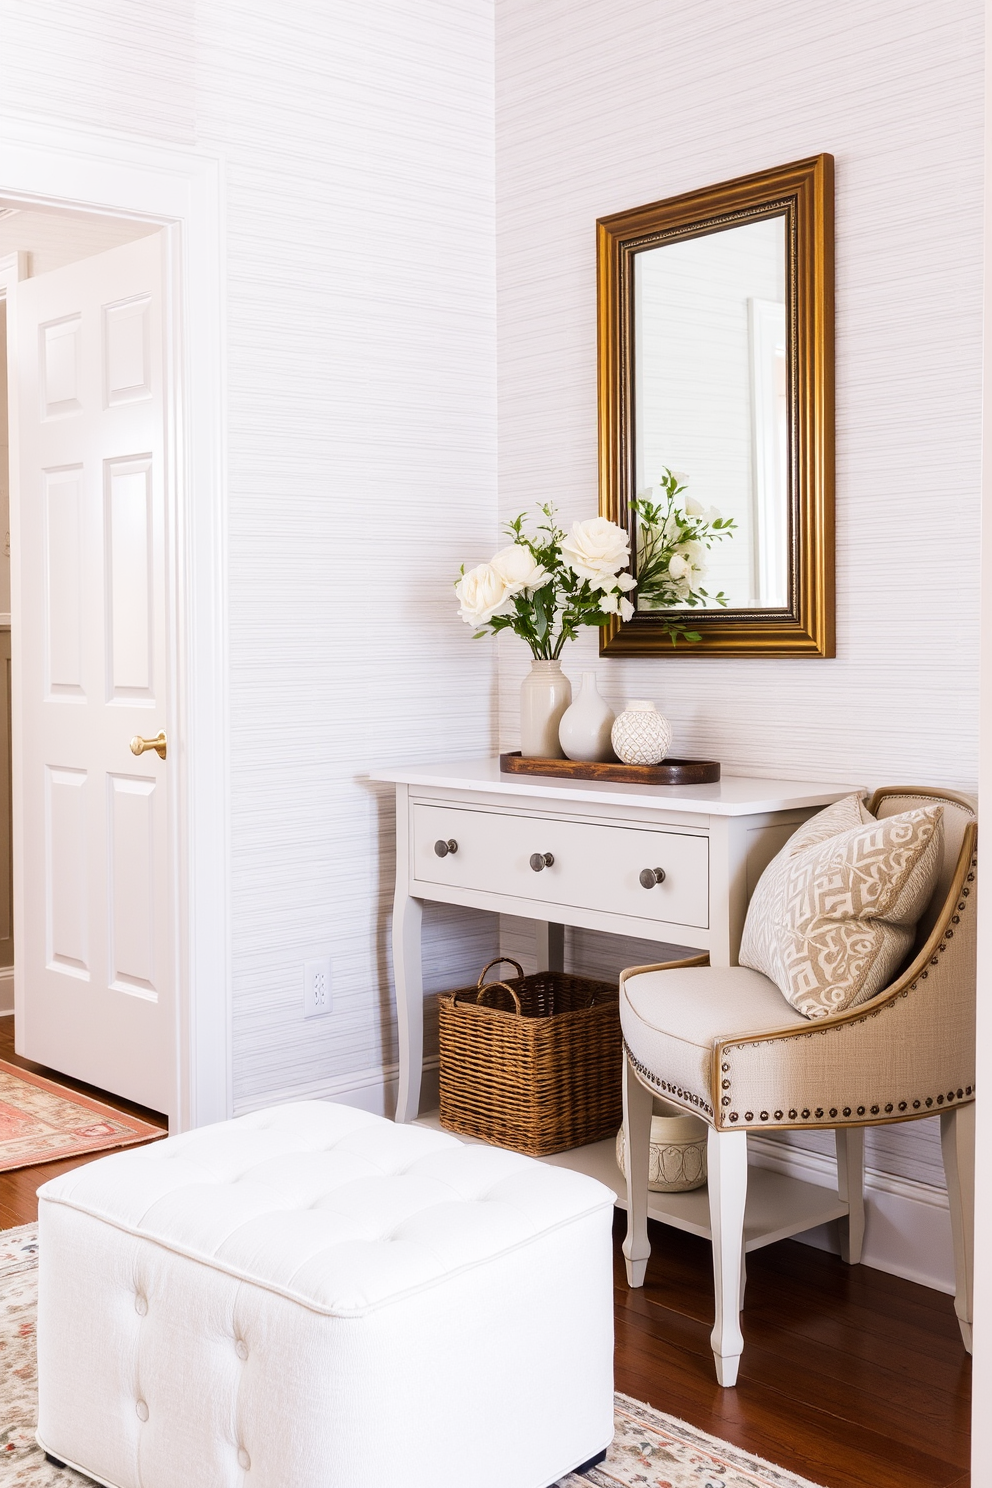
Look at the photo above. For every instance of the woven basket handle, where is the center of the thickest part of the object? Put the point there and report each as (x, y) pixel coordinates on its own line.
(483, 986)
(491, 987)
(499, 961)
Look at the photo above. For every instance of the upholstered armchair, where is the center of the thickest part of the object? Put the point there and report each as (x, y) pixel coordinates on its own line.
(723, 1043)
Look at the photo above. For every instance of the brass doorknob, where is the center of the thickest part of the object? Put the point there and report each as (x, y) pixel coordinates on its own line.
(139, 745)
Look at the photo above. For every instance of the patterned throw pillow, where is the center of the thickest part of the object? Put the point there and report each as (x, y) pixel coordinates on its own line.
(833, 914)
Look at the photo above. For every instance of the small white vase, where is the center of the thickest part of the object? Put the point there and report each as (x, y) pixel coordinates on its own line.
(584, 732)
(641, 735)
(544, 695)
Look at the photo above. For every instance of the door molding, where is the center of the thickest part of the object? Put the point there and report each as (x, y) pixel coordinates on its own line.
(48, 165)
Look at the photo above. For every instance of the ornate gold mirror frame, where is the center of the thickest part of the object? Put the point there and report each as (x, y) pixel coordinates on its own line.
(802, 195)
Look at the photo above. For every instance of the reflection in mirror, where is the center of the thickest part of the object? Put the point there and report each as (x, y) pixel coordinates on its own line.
(712, 401)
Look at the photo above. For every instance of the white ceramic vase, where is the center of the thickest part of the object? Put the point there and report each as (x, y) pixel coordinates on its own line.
(544, 695)
(641, 735)
(584, 732)
(677, 1161)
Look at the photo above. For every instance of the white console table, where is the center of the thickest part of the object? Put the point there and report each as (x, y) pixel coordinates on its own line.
(571, 852)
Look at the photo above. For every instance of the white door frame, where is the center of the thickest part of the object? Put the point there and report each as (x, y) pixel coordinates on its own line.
(45, 165)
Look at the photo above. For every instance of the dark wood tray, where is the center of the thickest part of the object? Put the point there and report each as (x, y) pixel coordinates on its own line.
(669, 772)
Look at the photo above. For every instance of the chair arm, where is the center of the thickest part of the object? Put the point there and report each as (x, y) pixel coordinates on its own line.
(907, 1053)
(703, 959)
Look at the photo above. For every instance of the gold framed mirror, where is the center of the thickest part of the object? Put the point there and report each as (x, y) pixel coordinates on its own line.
(716, 415)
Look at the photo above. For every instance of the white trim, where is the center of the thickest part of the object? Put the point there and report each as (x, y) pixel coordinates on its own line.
(907, 1224)
(370, 1089)
(64, 166)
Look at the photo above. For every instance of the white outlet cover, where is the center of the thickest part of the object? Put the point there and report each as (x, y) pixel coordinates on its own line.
(317, 987)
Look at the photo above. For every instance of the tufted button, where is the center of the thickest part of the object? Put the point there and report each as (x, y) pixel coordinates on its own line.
(141, 1411)
(140, 1305)
(243, 1459)
(241, 1349)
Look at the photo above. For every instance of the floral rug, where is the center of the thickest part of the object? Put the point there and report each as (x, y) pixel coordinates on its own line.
(650, 1450)
(41, 1121)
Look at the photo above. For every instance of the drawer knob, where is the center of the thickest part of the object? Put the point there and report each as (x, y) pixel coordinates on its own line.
(443, 848)
(541, 860)
(648, 877)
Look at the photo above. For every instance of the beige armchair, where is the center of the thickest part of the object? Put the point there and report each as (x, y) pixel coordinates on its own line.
(724, 1044)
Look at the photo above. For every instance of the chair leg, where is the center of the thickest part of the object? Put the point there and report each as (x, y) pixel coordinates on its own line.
(850, 1142)
(957, 1141)
(726, 1158)
(638, 1104)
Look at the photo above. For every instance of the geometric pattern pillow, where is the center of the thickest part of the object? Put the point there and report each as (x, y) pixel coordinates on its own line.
(834, 914)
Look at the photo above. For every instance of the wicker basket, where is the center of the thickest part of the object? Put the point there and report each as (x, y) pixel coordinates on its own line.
(541, 1072)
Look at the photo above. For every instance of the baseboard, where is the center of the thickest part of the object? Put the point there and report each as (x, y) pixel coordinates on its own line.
(369, 1089)
(907, 1224)
(6, 990)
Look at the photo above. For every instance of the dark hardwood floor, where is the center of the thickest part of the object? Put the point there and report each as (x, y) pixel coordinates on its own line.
(850, 1377)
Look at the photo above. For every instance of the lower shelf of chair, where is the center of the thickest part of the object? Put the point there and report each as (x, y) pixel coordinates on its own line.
(777, 1206)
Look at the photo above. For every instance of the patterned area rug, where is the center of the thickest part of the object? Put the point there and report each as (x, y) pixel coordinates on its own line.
(650, 1450)
(41, 1121)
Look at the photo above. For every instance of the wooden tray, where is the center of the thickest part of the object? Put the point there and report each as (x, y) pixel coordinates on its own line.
(669, 772)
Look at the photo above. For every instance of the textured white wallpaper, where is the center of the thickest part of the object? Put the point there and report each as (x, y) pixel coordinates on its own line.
(605, 106)
(361, 319)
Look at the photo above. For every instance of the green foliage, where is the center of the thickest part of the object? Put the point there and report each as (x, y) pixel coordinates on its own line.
(671, 544)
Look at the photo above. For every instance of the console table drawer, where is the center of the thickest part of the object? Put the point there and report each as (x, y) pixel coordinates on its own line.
(594, 867)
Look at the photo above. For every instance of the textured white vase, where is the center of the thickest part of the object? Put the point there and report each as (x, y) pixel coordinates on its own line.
(544, 695)
(641, 735)
(584, 732)
(677, 1161)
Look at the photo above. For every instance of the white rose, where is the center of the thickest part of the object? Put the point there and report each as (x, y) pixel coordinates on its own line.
(482, 593)
(695, 508)
(678, 566)
(518, 569)
(596, 550)
(614, 603)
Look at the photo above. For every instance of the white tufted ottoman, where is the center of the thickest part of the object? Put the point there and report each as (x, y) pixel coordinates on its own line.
(312, 1297)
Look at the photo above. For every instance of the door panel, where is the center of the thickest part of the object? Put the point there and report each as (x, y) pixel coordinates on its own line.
(94, 980)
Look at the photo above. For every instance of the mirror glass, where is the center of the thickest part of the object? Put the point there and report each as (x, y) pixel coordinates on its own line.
(711, 402)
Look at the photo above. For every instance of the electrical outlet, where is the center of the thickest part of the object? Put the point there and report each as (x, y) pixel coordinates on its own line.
(317, 987)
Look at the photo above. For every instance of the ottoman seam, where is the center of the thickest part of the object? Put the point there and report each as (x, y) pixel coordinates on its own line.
(213, 1264)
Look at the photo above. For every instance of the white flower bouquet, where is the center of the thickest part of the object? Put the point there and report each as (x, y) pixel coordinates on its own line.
(546, 584)
(674, 536)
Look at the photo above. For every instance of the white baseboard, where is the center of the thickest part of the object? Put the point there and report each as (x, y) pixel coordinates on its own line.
(6, 990)
(370, 1090)
(907, 1224)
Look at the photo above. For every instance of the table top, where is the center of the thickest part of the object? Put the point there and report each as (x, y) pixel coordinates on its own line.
(734, 795)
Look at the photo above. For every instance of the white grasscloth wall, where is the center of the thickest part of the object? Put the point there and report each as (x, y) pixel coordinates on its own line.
(602, 107)
(359, 159)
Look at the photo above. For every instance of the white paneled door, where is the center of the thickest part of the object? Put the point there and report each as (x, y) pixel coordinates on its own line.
(96, 962)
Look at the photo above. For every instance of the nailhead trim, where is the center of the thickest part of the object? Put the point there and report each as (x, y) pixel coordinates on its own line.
(688, 1096)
